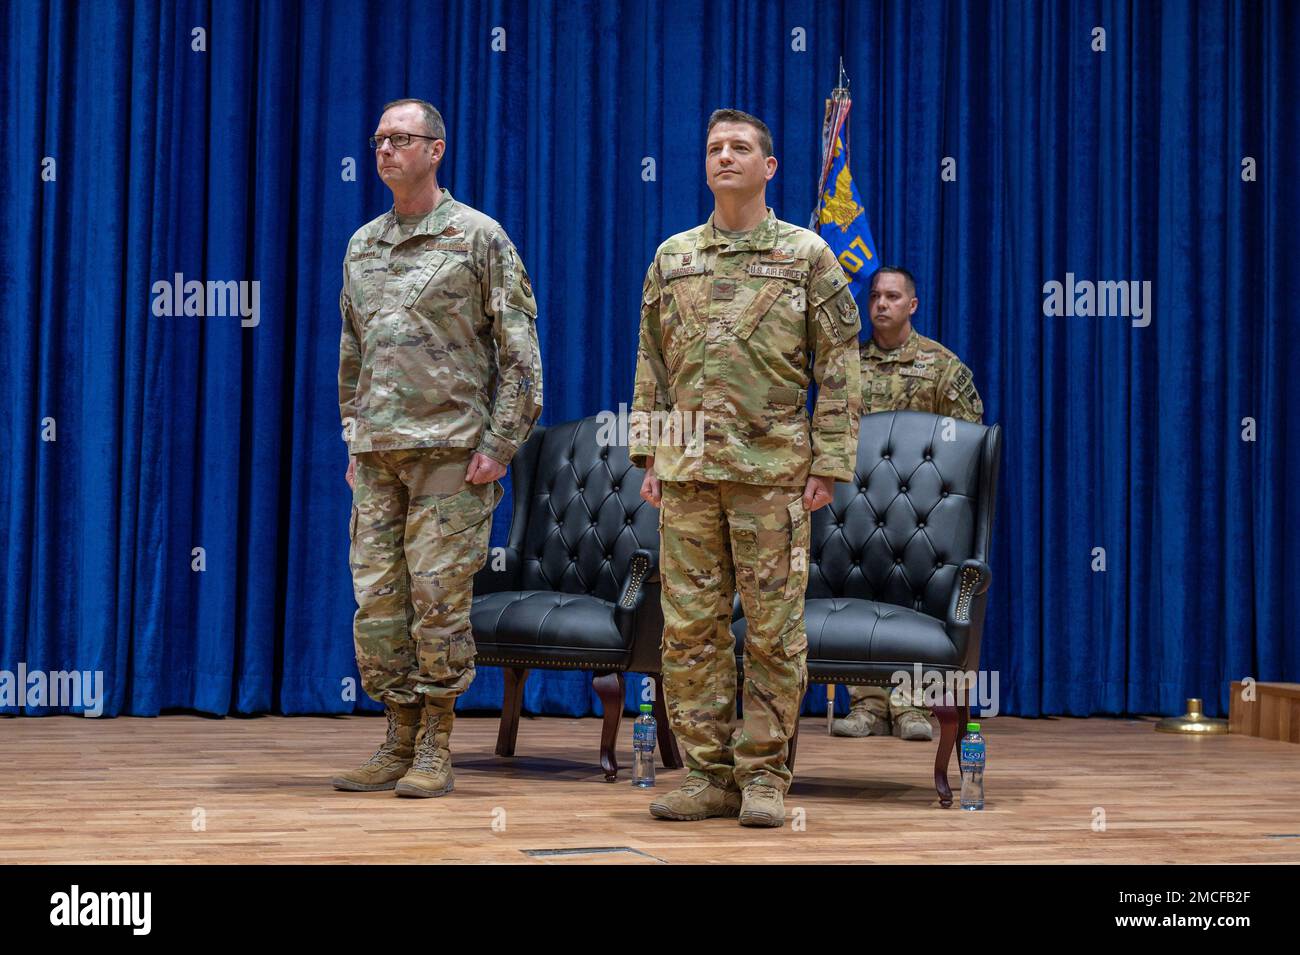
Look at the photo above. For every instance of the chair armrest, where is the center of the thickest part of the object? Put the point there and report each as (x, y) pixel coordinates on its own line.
(641, 569)
(973, 580)
(489, 581)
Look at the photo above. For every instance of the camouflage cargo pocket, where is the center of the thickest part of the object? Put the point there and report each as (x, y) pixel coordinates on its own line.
(744, 557)
(760, 564)
(796, 581)
(467, 508)
(461, 649)
(795, 639)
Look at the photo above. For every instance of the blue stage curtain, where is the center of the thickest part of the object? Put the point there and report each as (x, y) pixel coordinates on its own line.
(227, 163)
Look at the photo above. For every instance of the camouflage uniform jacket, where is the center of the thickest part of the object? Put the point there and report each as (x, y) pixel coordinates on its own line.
(919, 375)
(439, 346)
(728, 329)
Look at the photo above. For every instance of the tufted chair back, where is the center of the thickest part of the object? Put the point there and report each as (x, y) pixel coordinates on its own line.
(585, 516)
(919, 504)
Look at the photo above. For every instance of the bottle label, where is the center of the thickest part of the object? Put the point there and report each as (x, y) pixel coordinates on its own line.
(972, 753)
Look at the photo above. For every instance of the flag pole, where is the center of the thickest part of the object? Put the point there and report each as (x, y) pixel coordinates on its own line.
(833, 122)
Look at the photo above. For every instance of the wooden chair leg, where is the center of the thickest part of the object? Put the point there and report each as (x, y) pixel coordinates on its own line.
(668, 751)
(794, 742)
(610, 688)
(512, 702)
(948, 734)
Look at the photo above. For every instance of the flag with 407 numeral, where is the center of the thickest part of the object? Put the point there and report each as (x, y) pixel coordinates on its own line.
(840, 218)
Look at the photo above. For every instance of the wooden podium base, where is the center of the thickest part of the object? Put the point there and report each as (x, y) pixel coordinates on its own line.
(1274, 713)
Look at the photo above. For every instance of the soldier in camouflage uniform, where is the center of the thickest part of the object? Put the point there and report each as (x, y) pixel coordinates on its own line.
(902, 370)
(440, 382)
(733, 313)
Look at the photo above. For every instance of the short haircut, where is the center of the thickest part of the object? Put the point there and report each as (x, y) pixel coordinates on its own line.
(895, 270)
(433, 124)
(736, 116)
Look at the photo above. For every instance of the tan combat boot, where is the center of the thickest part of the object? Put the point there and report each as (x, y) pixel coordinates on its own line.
(763, 806)
(913, 725)
(430, 773)
(861, 723)
(392, 759)
(697, 798)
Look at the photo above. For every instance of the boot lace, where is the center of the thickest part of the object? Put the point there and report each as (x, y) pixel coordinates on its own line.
(428, 756)
(385, 753)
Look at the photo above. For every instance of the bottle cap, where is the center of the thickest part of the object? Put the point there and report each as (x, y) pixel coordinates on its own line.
(647, 707)
(972, 727)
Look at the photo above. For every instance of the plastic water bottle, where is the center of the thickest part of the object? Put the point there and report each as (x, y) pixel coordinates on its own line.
(644, 736)
(972, 768)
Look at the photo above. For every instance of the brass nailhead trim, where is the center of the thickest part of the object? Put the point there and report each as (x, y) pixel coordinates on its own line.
(968, 579)
(502, 661)
(639, 569)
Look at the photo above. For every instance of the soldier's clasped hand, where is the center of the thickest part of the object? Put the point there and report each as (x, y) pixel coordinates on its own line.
(651, 490)
(818, 492)
(483, 469)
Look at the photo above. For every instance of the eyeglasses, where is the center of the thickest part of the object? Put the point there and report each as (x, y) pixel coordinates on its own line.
(399, 140)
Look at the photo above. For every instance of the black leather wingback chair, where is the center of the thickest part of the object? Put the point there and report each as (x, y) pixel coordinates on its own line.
(579, 589)
(898, 571)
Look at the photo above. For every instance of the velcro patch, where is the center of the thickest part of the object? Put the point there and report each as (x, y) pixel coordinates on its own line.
(778, 272)
(677, 273)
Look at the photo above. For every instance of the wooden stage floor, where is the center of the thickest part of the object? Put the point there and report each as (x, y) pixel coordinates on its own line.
(191, 789)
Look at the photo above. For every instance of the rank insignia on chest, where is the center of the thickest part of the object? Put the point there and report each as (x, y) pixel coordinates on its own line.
(686, 258)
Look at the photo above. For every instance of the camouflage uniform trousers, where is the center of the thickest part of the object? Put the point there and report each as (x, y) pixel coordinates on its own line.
(715, 538)
(419, 533)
